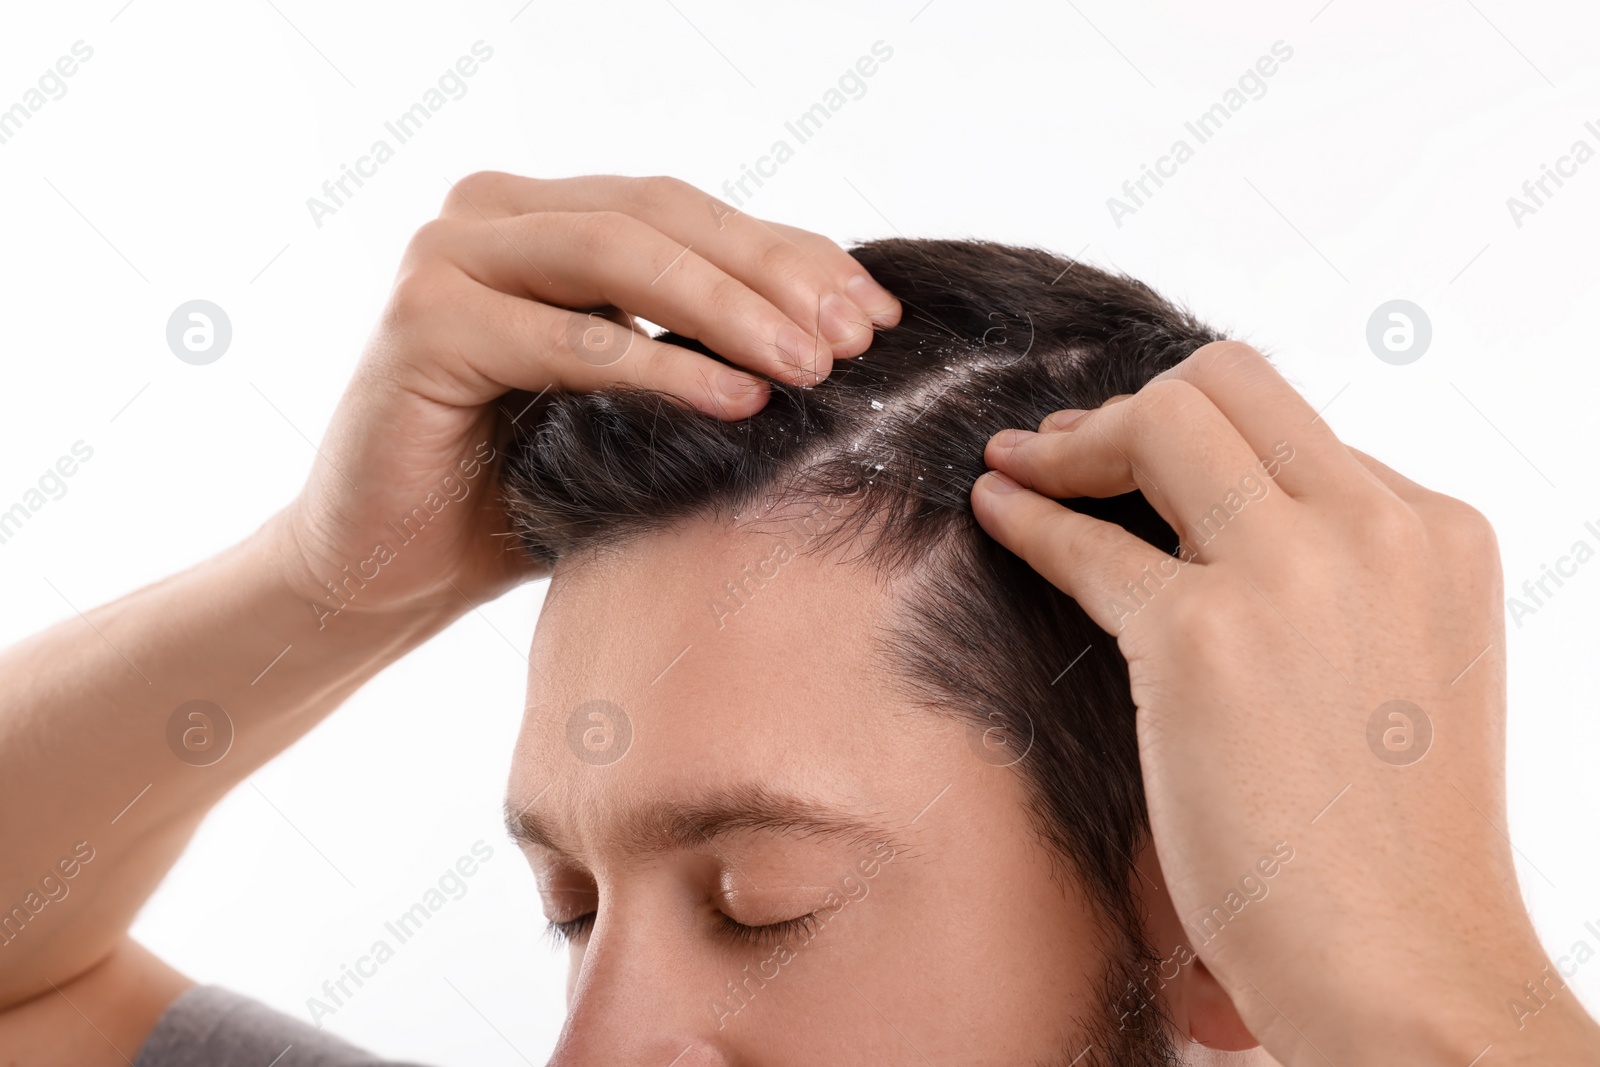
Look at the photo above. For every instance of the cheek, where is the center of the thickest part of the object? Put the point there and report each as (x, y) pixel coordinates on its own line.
(1007, 941)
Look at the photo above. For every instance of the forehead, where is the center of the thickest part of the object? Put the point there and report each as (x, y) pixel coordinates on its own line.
(703, 596)
(707, 655)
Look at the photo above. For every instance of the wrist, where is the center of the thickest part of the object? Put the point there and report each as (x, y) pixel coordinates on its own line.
(341, 593)
(1509, 1006)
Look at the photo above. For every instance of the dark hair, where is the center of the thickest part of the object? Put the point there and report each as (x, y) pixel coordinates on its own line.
(992, 336)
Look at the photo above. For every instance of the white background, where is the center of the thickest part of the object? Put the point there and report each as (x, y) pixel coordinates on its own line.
(178, 164)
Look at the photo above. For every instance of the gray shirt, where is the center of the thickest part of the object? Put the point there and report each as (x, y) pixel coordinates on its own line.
(208, 1026)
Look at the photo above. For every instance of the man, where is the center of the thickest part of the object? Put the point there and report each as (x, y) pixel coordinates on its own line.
(769, 827)
(891, 764)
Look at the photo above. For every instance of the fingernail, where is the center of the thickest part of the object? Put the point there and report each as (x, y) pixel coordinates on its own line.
(872, 298)
(798, 351)
(999, 483)
(1009, 439)
(1064, 420)
(841, 319)
(735, 386)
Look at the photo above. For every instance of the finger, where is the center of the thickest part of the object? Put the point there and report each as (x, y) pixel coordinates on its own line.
(881, 306)
(1393, 480)
(1060, 421)
(796, 269)
(498, 342)
(487, 194)
(594, 259)
(1086, 558)
(1168, 441)
(805, 275)
(1272, 416)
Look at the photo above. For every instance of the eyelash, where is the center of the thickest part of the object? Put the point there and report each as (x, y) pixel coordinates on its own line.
(564, 933)
(767, 936)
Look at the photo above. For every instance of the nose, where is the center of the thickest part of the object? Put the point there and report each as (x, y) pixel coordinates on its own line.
(590, 1046)
(633, 1005)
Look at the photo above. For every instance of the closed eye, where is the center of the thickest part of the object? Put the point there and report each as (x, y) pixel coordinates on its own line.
(570, 930)
(804, 927)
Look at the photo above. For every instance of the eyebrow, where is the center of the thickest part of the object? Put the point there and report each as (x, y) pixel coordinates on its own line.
(666, 826)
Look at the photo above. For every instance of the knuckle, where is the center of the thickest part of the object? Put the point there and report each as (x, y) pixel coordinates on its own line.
(1393, 528)
(659, 192)
(1461, 528)
(554, 332)
(826, 257)
(725, 302)
(599, 232)
(1226, 357)
(1039, 457)
(418, 300)
(1164, 402)
(657, 366)
(429, 242)
(785, 263)
(476, 191)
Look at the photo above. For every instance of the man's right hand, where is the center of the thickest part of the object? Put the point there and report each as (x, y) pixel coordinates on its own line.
(393, 535)
(525, 284)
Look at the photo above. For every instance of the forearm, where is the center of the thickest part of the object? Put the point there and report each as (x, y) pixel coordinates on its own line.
(92, 764)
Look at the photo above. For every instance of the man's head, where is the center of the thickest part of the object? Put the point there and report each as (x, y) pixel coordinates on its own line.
(784, 681)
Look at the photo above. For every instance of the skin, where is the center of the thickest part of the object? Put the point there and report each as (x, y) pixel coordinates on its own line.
(471, 317)
(967, 942)
(1256, 671)
(481, 309)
